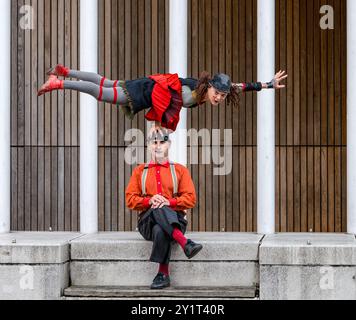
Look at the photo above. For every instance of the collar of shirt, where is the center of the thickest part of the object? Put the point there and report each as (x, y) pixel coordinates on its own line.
(154, 165)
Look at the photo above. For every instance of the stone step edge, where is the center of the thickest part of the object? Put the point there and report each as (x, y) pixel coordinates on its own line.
(145, 291)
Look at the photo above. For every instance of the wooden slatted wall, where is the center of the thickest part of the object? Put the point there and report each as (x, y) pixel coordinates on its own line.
(222, 38)
(45, 130)
(133, 44)
(311, 118)
(310, 114)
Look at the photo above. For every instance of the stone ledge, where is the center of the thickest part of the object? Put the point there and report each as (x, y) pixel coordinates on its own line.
(35, 247)
(141, 273)
(131, 246)
(308, 249)
(179, 292)
(307, 282)
(33, 282)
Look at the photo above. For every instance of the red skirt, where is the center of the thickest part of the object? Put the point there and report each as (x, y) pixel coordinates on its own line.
(167, 100)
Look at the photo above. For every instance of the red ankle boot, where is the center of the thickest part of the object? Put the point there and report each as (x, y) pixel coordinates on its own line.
(58, 70)
(53, 83)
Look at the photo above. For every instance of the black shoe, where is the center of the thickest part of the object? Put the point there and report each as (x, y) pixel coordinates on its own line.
(161, 281)
(191, 248)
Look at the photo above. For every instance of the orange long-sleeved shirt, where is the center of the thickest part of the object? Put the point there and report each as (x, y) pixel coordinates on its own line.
(159, 181)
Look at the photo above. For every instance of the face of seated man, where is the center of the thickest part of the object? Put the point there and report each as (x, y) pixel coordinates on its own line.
(159, 150)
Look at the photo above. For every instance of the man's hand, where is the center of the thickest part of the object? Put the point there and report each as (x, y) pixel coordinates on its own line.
(158, 201)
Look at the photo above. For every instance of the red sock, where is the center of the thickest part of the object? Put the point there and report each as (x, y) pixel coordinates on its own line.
(163, 268)
(179, 237)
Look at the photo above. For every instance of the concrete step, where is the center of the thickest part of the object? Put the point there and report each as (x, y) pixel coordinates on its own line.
(171, 292)
(122, 259)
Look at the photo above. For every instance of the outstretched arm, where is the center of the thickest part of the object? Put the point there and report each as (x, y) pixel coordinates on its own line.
(258, 86)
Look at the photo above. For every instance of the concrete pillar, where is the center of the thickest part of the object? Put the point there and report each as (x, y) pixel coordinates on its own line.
(5, 106)
(88, 120)
(265, 118)
(178, 63)
(351, 116)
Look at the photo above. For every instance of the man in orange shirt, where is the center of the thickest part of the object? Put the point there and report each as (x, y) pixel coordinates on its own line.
(162, 191)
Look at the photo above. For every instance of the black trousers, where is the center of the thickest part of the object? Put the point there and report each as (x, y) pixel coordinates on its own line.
(157, 225)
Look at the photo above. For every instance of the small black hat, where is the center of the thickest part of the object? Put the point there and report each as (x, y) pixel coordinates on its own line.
(221, 82)
(161, 134)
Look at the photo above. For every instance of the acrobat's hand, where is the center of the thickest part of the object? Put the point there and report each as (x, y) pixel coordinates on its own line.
(275, 83)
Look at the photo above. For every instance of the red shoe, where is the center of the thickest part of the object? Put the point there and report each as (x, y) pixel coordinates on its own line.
(58, 70)
(53, 83)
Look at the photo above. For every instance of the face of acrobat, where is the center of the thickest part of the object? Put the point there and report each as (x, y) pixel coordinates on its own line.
(159, 150)
(215, 96)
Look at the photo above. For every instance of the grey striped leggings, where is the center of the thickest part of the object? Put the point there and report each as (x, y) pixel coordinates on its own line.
(97, 86)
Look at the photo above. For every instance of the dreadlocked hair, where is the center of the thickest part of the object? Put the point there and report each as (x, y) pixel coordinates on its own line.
(233, 97)
(202, 86)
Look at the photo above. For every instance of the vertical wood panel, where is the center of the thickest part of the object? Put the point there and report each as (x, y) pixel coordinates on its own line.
(122, 186)
(291, 72)
(314, 107)
(61, 173)
(47, 188)
(101, 191)
(41, 124)
(296, 188)
(27, 191)
(310, 188)
(54, 188)
(41, 189)
(34, 188)
(278, 193)
(283, 189)
(54, 59)
(75, 22)
(107, 71)
(249, 186)
(317, 189)
(20, 51)
(337, 191)
(74, 190)
(41, 71)
(114, 189)
(303, 72)
(67, 189)
(344, 189)
(21, 190)
(290, 190)
(47, 61)
(107, 188)
(236, 187)
(304, 190)
(324, 189)
(61, 58)
(67, 62)
(27, 79)
(14, 188)
(222, 108)
(222, 38)
(14, 79)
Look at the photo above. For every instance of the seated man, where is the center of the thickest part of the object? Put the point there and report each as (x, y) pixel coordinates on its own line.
(162, 191)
